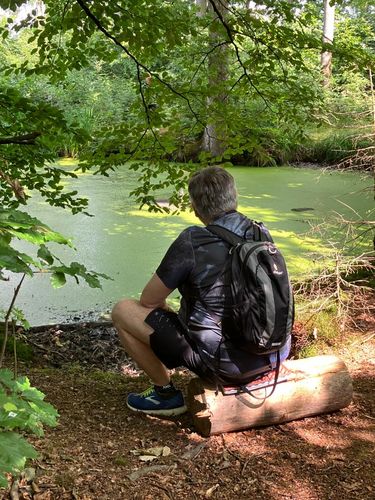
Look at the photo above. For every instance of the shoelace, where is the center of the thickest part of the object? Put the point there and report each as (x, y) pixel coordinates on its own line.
(147, 392)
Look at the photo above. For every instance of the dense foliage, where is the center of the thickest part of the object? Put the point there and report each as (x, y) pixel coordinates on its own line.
(143, 81)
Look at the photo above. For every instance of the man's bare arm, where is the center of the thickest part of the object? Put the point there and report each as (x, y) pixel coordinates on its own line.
(155, 293)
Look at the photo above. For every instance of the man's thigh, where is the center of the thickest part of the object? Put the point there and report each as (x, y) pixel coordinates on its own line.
(170, 343)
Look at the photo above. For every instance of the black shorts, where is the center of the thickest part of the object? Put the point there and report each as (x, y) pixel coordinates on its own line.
(171, 344)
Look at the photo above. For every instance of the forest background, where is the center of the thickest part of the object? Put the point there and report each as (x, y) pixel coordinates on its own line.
(169, 87)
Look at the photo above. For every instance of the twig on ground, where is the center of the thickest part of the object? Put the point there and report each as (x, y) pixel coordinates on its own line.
(147, 470)
(194, 452)
(364, 341)
(71, 326)
(14, 491)
(47, 349)
(245, 466)
(235, 455)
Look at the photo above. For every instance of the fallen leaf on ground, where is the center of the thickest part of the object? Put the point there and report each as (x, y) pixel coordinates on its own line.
(147, 458)
(211, 491)
(157, 451)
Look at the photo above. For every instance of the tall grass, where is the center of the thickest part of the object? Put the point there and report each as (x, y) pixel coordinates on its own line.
(335, 147)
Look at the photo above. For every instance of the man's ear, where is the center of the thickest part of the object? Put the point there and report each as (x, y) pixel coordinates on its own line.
(198, 215)
(194, 209)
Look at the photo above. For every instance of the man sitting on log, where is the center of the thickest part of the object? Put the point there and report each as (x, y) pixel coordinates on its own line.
(159, 339)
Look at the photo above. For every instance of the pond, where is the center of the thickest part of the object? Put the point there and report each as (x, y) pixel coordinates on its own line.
(127, 244)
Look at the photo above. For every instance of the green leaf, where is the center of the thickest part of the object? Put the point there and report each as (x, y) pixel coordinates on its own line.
(45, 254)
(22, 406)
(58, 279)
(7, 379)
(9, 407)
(23, 226)
(3, 481)
(15, 261)
(14, 451)
(77, 270)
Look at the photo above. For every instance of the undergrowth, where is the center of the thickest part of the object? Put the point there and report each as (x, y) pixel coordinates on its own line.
(328, 323)
(334, 148)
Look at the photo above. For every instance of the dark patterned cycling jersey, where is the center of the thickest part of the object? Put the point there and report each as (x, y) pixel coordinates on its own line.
(193, 264)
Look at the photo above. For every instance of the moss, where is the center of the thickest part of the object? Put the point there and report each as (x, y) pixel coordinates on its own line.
(24, 351)
(309, 351)
(320, 332)
(327, 326)
(84, 375)
(103, 376)
(120, 460)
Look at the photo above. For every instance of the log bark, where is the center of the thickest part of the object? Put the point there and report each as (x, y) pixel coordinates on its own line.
(306, 387)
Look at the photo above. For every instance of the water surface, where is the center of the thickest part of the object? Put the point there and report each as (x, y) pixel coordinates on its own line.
(127, 243)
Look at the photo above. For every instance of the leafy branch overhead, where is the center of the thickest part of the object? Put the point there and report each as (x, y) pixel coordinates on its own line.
(20, 225)
(20, 139)
(34, 130)
(193, 77)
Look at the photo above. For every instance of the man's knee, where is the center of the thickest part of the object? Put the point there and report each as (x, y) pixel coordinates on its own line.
(129, 315)
(123, 309)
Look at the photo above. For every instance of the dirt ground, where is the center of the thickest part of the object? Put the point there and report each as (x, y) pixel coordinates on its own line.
(98, 449)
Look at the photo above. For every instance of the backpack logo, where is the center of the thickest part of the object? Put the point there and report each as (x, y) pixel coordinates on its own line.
(276, 270)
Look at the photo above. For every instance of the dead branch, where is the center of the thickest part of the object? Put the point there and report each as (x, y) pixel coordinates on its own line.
(15, 186)
(147, 470)
(6, 319)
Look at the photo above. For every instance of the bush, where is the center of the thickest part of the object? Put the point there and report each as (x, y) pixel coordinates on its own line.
(22, 408)
(334, 148)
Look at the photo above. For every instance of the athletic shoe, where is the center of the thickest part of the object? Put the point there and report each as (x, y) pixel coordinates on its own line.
(154, 403)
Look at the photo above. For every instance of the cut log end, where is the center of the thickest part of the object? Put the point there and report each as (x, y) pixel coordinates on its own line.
(306, 387)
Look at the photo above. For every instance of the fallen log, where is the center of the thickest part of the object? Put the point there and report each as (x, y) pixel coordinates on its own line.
(305, 387)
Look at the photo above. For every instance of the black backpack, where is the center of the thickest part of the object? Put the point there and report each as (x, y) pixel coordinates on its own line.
(261, 314)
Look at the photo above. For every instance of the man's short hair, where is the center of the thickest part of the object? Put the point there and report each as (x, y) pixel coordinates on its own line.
(213, 192)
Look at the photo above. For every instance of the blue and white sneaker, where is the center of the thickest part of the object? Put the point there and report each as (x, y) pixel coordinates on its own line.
(155, 403)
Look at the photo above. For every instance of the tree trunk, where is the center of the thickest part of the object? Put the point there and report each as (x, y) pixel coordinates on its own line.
(328, 33)
(373, 122)
(202, 5)
(215, 133)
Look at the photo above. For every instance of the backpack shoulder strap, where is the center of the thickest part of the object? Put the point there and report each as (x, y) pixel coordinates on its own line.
(257, 232)
(232, 238)
(225, 234)
(260, 232)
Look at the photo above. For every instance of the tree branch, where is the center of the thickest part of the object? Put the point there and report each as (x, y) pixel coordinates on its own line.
(20, 139)
(237, 52)
(139, 65)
